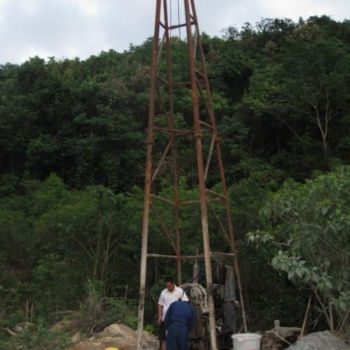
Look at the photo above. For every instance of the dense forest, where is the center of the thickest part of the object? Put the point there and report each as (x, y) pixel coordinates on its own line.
(72, 156)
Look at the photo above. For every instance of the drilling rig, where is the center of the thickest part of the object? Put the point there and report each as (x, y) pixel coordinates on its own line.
(171, 124)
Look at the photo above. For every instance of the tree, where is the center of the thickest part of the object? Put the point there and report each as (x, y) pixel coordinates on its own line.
(301, 97)
(309, 226)
(318, 81)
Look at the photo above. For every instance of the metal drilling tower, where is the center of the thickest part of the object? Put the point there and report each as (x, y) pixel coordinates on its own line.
(167, 126)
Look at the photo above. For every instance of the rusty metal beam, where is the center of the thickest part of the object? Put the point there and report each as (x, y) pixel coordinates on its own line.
(173, 131)
(216, 194)
(162, 199)
(191, 257)
(160, 163)
(200, 169)
(148, 174)
(210, 156)
(165, 229)
(226, 235)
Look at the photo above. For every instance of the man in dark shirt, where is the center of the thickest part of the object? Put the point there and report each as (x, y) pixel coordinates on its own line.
(179, 321)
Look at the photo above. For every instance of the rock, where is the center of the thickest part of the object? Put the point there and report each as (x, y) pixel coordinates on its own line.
(119, 330)
(76, 338)
(20, 327)
(64, 325)
(319, 341)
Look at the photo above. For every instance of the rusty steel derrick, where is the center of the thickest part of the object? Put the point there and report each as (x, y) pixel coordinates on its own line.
(169, 125)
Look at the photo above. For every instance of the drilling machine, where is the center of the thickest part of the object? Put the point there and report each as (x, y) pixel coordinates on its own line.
(224, 302)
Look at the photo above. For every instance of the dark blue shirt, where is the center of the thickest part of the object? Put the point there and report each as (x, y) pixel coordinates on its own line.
(180, 312)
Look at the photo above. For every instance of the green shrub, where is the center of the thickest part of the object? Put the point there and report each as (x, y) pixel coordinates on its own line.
(38, 337)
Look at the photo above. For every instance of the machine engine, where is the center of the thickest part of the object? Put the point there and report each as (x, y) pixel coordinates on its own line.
(224, 303)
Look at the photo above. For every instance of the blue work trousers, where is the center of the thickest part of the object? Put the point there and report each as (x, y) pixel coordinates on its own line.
(177, 337)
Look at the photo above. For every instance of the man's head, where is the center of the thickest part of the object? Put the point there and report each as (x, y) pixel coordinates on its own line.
(169, 284)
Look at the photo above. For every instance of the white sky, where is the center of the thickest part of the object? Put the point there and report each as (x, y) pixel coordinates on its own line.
(80, 28)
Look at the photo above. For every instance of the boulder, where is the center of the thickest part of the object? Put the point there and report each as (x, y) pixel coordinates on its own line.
(119, 330)
(319, 341)
(76, 338)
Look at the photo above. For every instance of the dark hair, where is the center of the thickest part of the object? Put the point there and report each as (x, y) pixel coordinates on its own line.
(169, 279)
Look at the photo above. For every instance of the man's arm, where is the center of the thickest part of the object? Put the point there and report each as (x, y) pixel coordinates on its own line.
(160, 313)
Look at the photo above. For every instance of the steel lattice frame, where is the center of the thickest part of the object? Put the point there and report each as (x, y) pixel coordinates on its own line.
(201, 126)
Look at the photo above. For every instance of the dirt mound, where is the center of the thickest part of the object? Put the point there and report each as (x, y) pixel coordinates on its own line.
(117, 336)
(319, 341)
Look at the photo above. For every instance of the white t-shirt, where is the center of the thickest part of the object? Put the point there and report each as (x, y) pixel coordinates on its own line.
(166, 298)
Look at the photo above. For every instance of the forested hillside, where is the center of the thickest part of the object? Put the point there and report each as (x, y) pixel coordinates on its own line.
(72, 156)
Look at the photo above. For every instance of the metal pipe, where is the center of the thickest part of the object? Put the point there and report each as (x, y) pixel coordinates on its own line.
(191, 257)
(148, 174)
(201, 179)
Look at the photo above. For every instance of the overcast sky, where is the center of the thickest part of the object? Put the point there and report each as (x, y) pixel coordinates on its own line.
(81, 28)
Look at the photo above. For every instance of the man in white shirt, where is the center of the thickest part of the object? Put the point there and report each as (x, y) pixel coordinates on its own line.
(170, 294)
